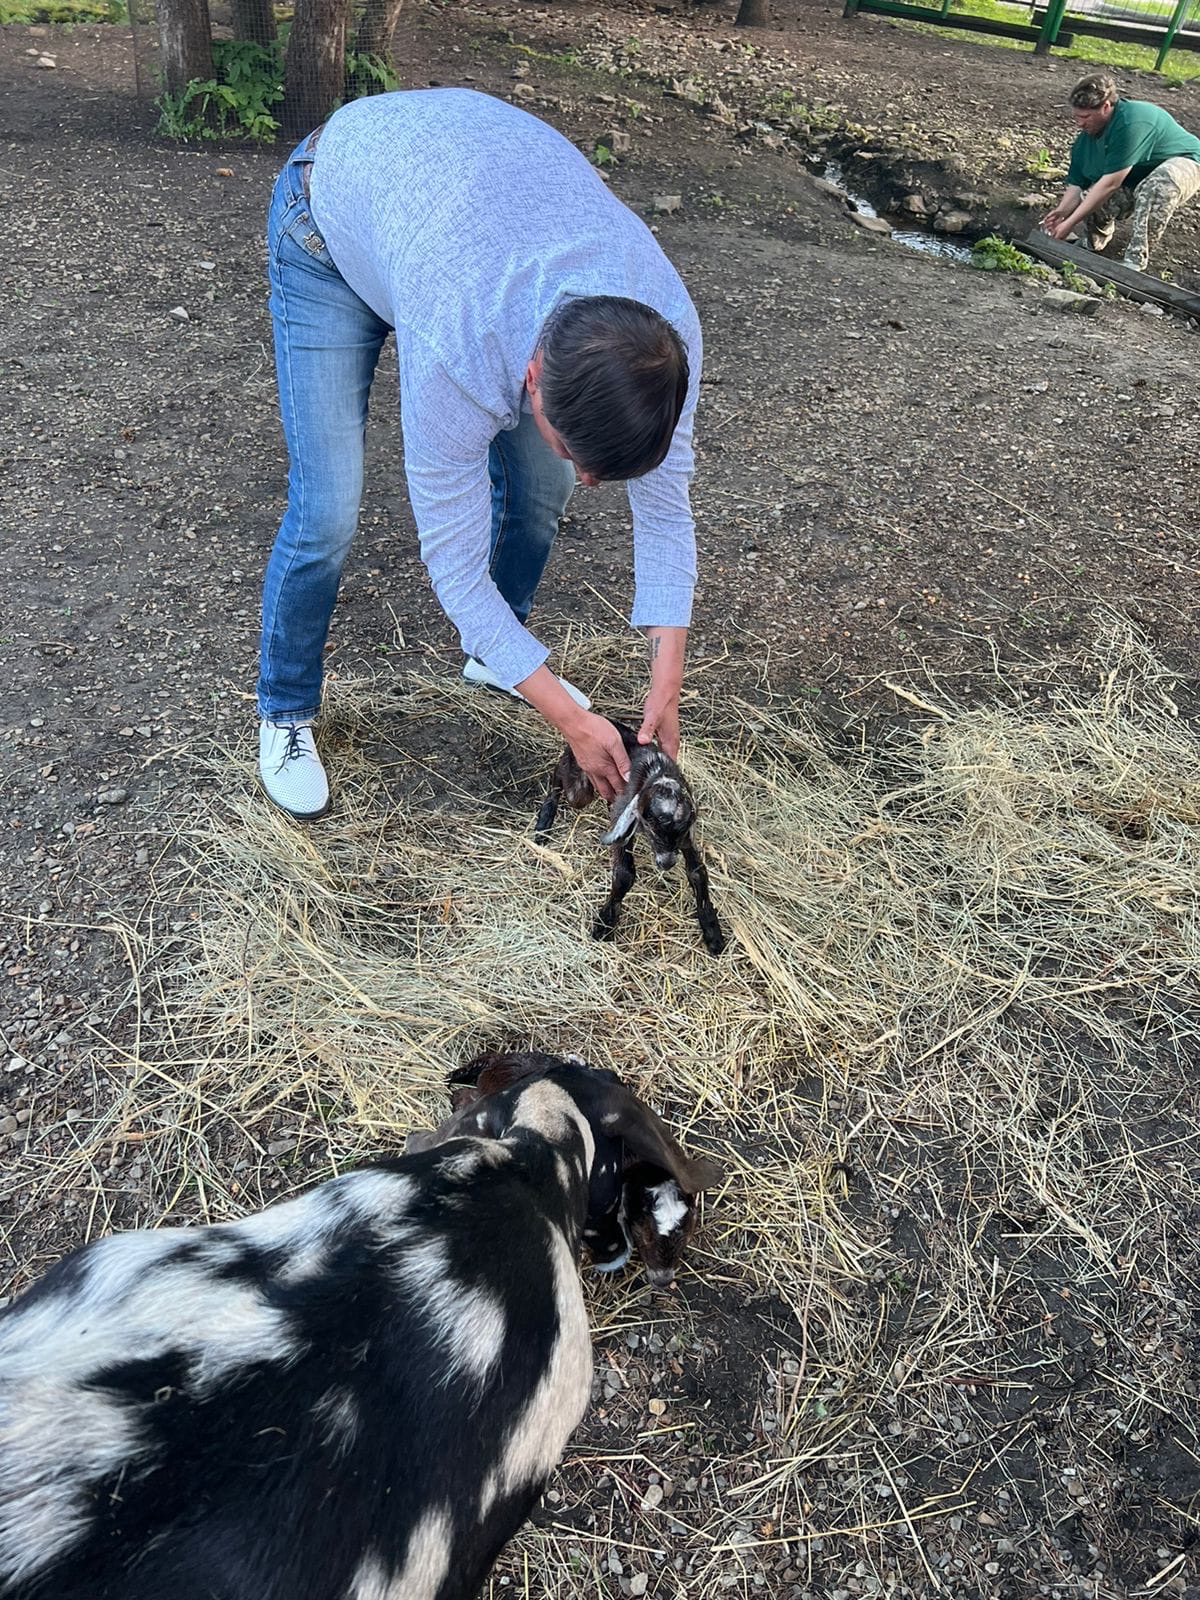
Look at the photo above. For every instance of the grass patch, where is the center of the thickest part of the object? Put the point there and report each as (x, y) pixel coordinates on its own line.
(23, 13)
(1180, 65)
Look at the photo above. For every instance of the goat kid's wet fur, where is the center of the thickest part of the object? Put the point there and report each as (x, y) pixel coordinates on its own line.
(655, 801)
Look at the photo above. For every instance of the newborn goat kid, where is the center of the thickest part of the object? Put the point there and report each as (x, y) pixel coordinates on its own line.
(657, 800)
(354, 1395)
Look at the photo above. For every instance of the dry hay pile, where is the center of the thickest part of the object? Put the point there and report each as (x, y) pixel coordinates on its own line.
(948, 1061)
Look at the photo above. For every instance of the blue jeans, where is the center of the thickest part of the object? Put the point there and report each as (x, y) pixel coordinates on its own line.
(327, 346)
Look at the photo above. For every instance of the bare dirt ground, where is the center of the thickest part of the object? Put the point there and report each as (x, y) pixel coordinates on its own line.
(906, 467)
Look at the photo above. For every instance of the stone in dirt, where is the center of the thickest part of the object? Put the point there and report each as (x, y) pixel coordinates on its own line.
(870, 224)
(952, 221)
(831, 189)
(915, 205)
(1068, 300)
(718, 110)
(617, 140)
(667, 203)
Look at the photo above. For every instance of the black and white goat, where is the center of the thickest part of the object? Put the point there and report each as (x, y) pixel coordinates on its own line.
(656, 801)
(354, 1395)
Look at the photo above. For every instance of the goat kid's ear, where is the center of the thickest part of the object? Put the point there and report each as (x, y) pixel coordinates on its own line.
(647, 1136)
(625, 823)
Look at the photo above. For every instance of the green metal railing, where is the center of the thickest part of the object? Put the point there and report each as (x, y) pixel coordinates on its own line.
(1054, 23)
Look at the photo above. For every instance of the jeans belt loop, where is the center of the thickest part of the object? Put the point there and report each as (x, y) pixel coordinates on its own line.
(310, 150)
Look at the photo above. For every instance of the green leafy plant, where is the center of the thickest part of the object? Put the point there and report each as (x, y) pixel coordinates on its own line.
(603, 156)
(60, 12)
(367, 73)
(994, 254)
(1041, 164)
(238, 101)
(1074, 279)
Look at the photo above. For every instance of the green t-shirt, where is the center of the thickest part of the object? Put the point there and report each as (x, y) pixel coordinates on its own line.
(1138, 136)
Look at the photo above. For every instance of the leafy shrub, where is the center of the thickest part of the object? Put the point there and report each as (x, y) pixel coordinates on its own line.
(238, 101)
(367, 73)
(994, 254)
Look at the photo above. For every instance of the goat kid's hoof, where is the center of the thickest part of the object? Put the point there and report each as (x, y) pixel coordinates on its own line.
(601, 930)
(717, 946)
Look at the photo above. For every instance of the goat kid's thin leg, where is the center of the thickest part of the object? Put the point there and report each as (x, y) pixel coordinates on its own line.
(546, 815)
(706, 914)
(624, 876)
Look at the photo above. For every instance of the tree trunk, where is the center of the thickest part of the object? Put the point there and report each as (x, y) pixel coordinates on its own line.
(377, 28)
(254, 20)
(185, 39)
(315, 66)
(753, 14)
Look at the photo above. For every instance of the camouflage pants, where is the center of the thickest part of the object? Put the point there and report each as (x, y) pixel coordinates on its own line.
(1153, 203)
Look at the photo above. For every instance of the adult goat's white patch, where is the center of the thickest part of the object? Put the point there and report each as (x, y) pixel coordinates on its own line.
(546, 1109)
(337, 1419)
(378, 1199)
(55, 1441)
(132, 1302)
(667, 1206)
(426, 1565)
(477, 1155)
(539, 1435)
(468, 1323)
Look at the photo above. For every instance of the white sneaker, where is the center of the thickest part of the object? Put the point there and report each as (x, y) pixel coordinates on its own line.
(291, 769)
(479, 672)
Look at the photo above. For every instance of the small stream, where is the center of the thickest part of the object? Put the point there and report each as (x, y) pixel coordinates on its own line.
(931, 244)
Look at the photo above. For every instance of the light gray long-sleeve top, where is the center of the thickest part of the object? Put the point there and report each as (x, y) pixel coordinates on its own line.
(462, 222)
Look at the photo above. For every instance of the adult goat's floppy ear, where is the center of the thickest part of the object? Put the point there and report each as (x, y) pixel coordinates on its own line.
(647, 1136)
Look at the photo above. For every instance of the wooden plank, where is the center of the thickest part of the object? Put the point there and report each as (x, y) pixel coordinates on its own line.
(1133, 32)
(1137, 285)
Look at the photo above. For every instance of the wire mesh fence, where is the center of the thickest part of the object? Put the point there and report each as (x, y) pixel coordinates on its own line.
(252, 69)
(1159, 26)
(1156, 13)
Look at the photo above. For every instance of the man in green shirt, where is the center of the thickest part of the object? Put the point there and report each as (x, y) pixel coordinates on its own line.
(1129, 156)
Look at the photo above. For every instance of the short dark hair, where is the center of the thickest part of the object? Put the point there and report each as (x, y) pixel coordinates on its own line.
(1094, 91)
(614, 380)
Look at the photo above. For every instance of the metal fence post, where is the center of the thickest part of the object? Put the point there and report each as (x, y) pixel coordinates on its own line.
(1051, 23)
(1173, 27)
